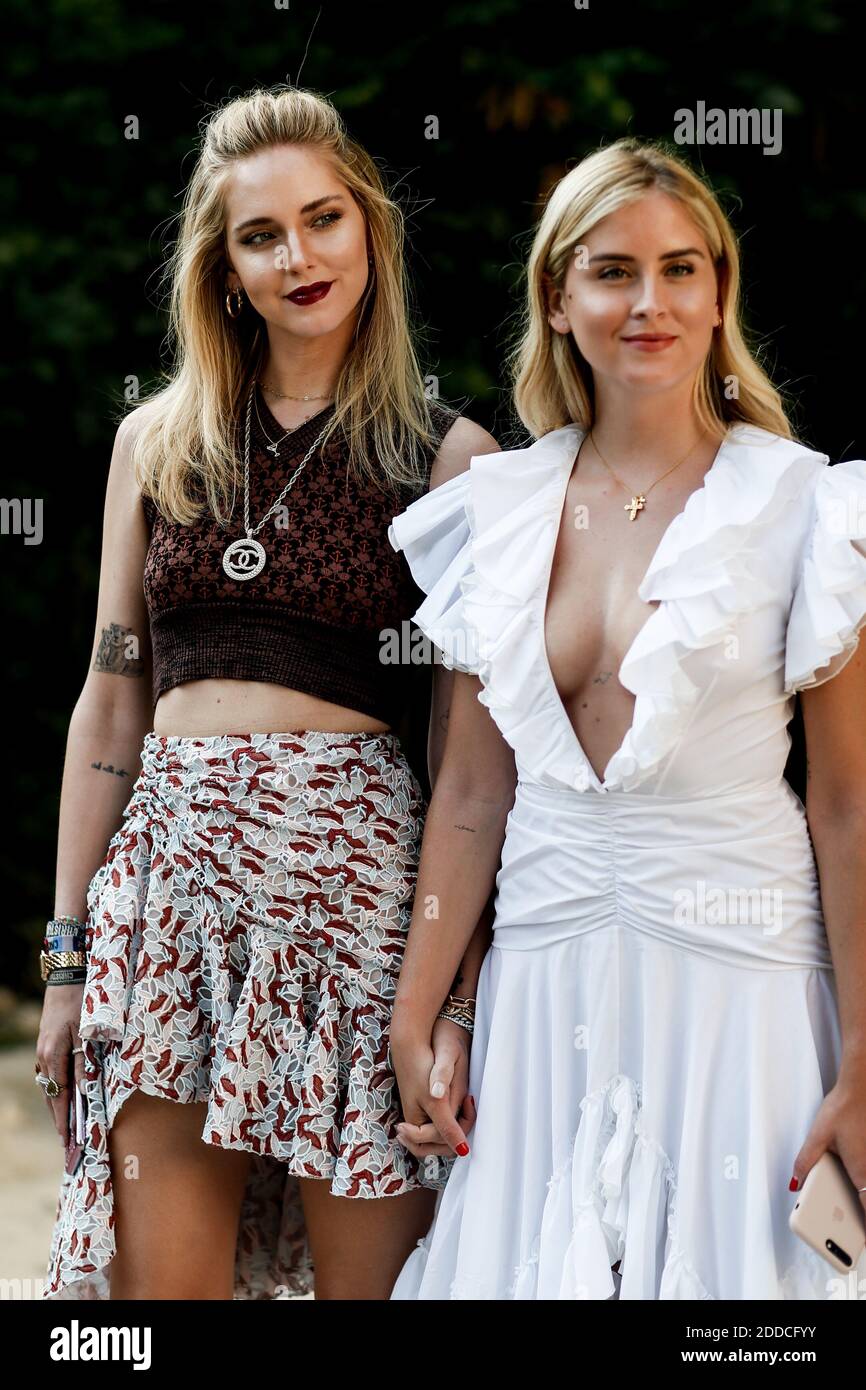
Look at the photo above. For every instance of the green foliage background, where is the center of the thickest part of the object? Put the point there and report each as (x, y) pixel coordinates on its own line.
(520, 90)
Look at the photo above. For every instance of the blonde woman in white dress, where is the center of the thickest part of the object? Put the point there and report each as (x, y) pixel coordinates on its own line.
(670, 1024)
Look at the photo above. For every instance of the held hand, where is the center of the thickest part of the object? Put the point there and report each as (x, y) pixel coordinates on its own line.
(58, 1035)
(432, 1079)
(839, 1126)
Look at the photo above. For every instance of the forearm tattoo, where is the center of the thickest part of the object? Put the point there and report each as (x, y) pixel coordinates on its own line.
(109, 767)
(117, 653)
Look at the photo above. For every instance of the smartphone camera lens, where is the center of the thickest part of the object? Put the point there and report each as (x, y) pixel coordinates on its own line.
(838, 1252)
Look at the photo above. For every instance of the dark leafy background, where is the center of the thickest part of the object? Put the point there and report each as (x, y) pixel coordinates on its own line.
(521, 91)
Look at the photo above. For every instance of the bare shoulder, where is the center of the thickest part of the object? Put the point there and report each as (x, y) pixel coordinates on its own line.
(464, 439)
(127, 432)
(130, 426)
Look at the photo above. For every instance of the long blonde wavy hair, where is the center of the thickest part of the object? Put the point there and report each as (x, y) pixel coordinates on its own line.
(551, 382)
(184, 447)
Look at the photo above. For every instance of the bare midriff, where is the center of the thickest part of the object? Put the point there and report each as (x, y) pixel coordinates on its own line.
(207, 707)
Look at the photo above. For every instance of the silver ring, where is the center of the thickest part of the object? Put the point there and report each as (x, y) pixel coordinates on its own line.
(77, 1049)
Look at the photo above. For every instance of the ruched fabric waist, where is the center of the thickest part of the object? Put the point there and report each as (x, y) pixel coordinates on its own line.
(730, 875)
(264, 774)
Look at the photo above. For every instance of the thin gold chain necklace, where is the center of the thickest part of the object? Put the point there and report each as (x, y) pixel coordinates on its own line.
(272, 446)
(284, 395)
(638, 500)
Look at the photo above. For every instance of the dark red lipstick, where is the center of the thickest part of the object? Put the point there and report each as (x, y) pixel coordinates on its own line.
(310, 294)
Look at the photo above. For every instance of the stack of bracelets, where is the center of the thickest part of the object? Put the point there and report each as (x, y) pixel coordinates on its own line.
(459, 1010)
(63, 958)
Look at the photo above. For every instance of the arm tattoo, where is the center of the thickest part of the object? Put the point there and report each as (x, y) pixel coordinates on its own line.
(109, 767)
(117, 653)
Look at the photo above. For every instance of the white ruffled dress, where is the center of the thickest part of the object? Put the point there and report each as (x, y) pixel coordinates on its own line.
(657, 1021)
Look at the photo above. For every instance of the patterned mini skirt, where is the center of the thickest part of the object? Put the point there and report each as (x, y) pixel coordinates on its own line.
(246, 931)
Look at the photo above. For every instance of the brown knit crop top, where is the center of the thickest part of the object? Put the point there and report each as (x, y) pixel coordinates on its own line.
(312, 618)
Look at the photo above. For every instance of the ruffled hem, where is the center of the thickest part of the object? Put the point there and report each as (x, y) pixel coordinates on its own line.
(613, 1199)
(287, 1053)
(605, 1203)
(612, 1193)
(829, 606)
(273, 1258)
(662, 1149)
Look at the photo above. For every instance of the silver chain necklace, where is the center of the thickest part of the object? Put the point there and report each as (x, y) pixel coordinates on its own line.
(244, 559)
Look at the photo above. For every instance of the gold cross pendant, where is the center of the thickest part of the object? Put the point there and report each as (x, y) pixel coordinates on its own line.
(636, 505)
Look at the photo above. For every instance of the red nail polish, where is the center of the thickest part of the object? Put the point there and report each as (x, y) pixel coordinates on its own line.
(472, 1098)
(463, 1149)
(793, 1185)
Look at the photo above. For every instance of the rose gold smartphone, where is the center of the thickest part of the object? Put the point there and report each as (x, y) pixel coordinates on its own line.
(828, 1214)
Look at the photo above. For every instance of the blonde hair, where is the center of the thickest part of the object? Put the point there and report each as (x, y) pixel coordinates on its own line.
(552, 384)
(184, 445)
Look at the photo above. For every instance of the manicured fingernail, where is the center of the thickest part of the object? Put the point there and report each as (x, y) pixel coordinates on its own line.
(438, 1089)
(463, 1150)
(793, 1185)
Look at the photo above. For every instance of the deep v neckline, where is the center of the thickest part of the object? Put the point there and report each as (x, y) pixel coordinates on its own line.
(601, 782)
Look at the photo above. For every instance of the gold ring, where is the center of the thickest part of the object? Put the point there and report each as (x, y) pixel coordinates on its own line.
(49, 1086)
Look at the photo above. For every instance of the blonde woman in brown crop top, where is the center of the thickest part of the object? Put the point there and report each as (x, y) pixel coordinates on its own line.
(239, 828)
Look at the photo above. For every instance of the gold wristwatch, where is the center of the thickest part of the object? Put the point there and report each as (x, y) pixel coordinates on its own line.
(59, 960)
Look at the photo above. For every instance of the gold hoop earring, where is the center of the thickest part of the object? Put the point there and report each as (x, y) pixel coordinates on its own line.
(239, 301)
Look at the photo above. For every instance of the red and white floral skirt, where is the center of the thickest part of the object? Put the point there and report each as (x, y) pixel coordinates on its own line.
(246, 931)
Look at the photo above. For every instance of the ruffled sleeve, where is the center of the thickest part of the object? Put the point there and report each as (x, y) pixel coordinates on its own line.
(829, 603)
(435, 535)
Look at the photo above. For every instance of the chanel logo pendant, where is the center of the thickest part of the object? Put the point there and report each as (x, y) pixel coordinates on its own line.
(244, 559)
